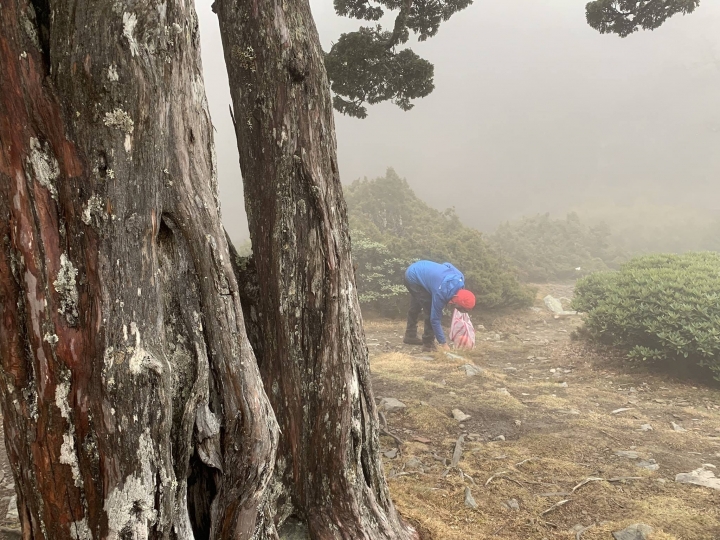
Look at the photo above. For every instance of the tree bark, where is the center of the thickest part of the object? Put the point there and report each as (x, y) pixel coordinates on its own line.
(311, 345)
(132, 403)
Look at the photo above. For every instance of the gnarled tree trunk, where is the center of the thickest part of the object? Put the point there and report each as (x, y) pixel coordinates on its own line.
(310, 345)
(132, 403)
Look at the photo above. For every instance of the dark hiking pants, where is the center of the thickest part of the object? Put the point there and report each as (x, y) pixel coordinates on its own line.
(420, 300)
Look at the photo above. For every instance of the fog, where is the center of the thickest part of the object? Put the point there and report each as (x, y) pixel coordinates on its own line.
(533, 111)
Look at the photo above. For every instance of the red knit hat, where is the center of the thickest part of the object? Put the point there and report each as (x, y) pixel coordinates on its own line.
(464, 300)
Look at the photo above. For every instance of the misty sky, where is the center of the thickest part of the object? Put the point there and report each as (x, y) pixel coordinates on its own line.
(533, 111)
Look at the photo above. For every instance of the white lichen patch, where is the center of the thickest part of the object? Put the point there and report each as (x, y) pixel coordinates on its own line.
(214, 177)
(43, 166)
(162, 11)
(28, 22)
(80, 530)
(198, 92)
(93, 206)
(130, 507)
(140, 358)
(129, 23)
(68, 455)
(66, 288)
(245, 57)
(119, 119)
(62, 391)
(112, 73)
(52, 339)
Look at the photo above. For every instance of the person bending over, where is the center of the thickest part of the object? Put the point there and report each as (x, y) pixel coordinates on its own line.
(433, 286)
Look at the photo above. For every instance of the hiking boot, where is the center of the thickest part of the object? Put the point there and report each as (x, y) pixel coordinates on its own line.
(412, 340)
(429, 347)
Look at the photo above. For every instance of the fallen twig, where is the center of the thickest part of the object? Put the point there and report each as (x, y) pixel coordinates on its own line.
(466, 475)
(494, 476)
(397, 439)
(440, 459)
(511, 480)
(538, 521)
(556, 506)
(623, 478)
(406, 473)
(502, 476)
(525, 461)
(585, 482)
(579, 533)
(608, 435)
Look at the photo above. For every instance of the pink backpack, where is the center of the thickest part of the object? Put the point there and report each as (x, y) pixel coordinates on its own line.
(462, 333)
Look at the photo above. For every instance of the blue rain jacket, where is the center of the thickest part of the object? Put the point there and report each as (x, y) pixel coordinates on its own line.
(442, 281)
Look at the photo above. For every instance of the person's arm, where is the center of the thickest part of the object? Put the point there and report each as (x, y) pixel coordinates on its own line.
(436, 320)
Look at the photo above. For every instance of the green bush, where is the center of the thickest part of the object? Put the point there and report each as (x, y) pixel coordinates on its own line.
(657, 307)
(379, 276)
(545, 249)
(391, 228)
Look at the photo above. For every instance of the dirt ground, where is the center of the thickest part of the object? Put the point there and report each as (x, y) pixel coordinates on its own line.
(544, 428)
(548, 419)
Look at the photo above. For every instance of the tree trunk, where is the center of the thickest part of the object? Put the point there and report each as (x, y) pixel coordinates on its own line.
(311, 349)
(132, 403)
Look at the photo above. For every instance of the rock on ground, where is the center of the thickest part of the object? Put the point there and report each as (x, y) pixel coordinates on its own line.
(555, 306)
(639, 531)
(391, 454)
(12, 511)
(629, 454)
(699, 477)
(459, 415)
(471, 369)
(389, 404)
(677, 427)
(469, 500)
(650, 465)
(414, 463)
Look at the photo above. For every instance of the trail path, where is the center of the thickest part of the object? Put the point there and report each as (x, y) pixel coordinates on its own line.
(550, 420)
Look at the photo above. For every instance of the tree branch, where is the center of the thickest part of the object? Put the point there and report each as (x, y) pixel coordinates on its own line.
(400, 25)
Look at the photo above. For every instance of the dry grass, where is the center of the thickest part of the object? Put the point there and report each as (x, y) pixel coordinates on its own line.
(567, 434)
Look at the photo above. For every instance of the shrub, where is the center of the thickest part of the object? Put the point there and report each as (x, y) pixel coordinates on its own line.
(657, 307)
(545, 249)
(379, 276)
(391, 228)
